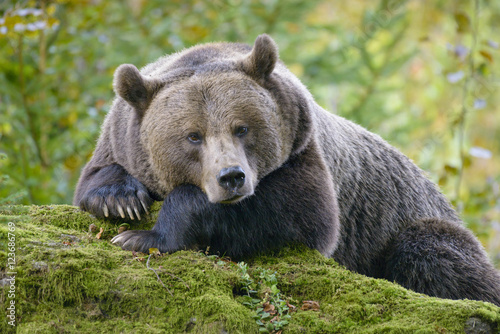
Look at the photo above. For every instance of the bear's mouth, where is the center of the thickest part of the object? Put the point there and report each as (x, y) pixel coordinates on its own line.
(232, 200)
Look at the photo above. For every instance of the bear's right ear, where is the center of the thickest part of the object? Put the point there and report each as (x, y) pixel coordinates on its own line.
(134, 88)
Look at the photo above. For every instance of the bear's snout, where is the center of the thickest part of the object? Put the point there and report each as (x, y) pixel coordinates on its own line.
(227, 177)
(231, 178)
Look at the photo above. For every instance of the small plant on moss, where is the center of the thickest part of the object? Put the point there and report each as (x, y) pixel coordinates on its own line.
(263, 296)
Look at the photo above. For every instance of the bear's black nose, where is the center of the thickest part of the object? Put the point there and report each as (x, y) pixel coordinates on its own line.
(231, 178)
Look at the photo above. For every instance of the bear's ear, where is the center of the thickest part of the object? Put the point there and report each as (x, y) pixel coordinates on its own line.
(133, 87)
(260, 63)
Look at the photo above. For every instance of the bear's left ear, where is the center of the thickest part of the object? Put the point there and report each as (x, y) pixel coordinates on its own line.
(260, 63)
(135, 88)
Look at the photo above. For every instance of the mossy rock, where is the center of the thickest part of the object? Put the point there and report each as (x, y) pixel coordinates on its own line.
(68, 280)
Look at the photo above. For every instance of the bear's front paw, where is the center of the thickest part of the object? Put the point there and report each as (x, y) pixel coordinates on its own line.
(128, 201)
(139, 241)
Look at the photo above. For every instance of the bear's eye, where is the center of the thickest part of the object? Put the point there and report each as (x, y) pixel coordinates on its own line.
(241, 131)
(194, 138)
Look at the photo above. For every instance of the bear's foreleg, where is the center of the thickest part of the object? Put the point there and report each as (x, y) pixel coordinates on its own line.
(296, 203)
(442, 259)
(180, 223)
(112, 192)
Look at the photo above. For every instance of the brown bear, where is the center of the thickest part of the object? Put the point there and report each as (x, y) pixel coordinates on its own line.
(246, 161)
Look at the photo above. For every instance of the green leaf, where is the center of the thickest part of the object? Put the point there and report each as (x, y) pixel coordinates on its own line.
(264, 315)
(397, 63)
(451, 169)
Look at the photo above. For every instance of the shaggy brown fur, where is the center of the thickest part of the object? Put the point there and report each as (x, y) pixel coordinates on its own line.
(226, 123)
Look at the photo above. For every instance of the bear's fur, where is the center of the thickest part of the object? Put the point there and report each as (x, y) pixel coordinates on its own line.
(298, 173)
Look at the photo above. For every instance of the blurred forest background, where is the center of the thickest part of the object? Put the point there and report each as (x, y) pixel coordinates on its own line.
(422, 74)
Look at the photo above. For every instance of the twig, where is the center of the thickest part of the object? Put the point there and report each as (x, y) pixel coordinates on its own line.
(34, 133)
(42, 44)
(180, 279)
(375, 72)
(465, 94)
(159, 280)
(21, 88)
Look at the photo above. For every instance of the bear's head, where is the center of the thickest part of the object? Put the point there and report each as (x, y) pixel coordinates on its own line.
(220, 116)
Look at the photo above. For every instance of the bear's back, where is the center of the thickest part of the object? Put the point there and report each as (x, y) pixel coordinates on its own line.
(379, 186)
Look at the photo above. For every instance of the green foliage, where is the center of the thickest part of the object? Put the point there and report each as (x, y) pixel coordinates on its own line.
(422, 74)
(264, 298)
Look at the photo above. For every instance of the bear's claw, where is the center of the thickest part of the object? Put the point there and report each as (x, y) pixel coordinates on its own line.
(145, 207)
(137, 213)
(137, 240)
(120, 210)
(129, 211)
(105, 210)
(117, 201)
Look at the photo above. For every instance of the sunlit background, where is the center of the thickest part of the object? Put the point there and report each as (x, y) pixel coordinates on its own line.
(422, 74)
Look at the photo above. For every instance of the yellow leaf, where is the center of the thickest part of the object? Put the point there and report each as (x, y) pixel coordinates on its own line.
(99, 235)
(72, 162)
(154, 251)
(51, 9)
(486, 55)
(297, 69)
(310, 305)
(463, 22)
(6, 129)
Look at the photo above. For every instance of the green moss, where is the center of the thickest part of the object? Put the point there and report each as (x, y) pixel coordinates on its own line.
(69, 281)
(70, 217)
